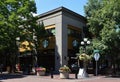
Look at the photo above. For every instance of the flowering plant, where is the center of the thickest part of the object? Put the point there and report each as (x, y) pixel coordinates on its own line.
(40, 69)
(64, 69)
(84, 57)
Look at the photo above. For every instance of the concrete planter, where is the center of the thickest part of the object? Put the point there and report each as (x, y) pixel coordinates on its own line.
(64, 75)
(82, 73)
(40, 73)
(8, 69)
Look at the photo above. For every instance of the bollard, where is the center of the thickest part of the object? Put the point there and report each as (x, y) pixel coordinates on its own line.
(51, 72)
(76, 75)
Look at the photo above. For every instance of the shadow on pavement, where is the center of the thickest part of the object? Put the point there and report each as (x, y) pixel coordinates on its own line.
(10, 76)
(113, 76)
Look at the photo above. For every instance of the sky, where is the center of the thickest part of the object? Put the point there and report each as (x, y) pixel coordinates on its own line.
(74, 5)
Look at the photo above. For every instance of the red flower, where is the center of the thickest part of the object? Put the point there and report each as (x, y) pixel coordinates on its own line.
(40, 69)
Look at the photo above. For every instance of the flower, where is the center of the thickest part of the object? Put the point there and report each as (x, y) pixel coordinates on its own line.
(84, 57)
(64, 69)
(40, 69)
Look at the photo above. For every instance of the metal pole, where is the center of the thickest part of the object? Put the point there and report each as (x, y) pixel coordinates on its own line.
(96, 68)
(85, 48)
(76, 74)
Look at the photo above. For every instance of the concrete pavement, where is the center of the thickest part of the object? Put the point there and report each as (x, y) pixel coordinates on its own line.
(34, 78)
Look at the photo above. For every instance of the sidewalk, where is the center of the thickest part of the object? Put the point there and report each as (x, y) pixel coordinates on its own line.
(34, 78)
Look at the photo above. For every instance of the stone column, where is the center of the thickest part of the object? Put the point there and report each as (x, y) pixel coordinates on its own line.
(61, 46)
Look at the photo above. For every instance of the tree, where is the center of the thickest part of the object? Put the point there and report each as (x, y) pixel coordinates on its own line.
(90, 11)
(39, 32)
(104, 22)
(14, 18)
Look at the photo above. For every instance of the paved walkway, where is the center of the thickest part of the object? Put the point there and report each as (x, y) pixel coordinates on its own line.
(34, 78)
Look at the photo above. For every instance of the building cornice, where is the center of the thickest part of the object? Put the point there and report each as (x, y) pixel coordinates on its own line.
(62, 9)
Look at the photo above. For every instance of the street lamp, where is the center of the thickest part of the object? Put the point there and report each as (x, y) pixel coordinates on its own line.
(82, 71)
(18, 43)
(35, 45)
(35, 48)
(84, 43)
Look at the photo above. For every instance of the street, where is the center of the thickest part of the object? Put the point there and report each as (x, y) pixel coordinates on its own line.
(34, 78)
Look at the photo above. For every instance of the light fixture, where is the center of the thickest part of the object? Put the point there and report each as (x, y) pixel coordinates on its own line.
(17, 38)
(82, 43)
(85, 39)
(88, 42)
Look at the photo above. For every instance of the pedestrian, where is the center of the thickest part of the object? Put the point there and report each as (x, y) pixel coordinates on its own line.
(18, 67)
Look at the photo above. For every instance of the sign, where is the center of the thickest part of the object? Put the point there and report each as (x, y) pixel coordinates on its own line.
(96, 51)
(75, 43)
(97, 56)
(45, 43)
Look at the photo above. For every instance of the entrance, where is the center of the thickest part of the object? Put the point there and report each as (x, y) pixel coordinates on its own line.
(26, 63)
(47, 60)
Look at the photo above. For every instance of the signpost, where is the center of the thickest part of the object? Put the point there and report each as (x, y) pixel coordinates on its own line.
(96, 56)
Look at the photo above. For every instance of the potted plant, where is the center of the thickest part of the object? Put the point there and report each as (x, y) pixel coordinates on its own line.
(64, 72)
(40, 71)
(85, 59)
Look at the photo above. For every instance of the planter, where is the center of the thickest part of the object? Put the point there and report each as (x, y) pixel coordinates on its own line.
(82, 73)
(40, 73)
(64, 75)
(8, 69)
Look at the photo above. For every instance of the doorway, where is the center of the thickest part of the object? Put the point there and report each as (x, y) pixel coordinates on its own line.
(47, 59)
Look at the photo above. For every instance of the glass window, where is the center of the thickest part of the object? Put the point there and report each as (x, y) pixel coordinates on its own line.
(51, 31)
(74, 33)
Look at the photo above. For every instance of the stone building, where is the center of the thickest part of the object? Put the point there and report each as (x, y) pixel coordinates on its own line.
(65, 29)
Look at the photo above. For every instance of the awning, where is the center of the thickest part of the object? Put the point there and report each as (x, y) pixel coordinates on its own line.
(26, 46)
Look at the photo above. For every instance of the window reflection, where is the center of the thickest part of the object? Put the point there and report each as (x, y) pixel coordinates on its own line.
(51, 31)
(74, 33)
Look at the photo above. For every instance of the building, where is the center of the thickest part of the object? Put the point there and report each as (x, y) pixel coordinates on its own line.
(65, 29)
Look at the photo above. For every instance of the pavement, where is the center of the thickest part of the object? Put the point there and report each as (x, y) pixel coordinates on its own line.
(34, 78)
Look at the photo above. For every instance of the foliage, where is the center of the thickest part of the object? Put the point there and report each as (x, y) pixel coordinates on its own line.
(99, 45)
(64, 69)
(39, 32)
(84, 57)
(16, 20)
(13, 22)
(92, 17)
(104, 23)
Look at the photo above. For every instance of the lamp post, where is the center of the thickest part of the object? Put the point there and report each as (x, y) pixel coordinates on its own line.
(18, 43)
(82, 71)
(35, 49)
(84, 43)
(35, 40)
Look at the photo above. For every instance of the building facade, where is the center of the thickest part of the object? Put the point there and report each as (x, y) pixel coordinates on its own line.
(65, 29)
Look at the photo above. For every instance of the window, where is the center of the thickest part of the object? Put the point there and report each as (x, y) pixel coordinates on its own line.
(74, 33)
(51, 31)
